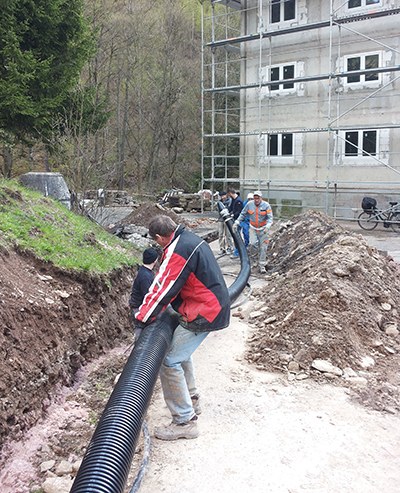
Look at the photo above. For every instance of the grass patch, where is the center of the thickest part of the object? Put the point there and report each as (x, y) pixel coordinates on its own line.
(54, 234)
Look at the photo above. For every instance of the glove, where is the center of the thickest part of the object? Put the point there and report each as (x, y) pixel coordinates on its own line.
(137, 324)
(235, 226)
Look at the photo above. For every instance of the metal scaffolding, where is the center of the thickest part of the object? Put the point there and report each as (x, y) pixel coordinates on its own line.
(241, 113)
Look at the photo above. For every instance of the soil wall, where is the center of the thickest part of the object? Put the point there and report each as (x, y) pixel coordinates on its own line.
(52, 322)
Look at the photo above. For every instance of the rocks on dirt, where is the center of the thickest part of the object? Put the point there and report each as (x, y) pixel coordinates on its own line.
(326, 367)
(329, 304)
(134, 227)
(55, 451)
(57, 485)
(177, 200)
(60, 476)
(110, 197)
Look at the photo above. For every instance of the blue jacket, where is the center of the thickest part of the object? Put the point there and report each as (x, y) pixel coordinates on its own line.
(141, 285)
(236, 207)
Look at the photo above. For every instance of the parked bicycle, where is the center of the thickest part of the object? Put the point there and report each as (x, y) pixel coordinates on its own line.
(372, 216)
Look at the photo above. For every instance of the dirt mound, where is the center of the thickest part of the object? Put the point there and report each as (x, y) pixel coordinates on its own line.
(330, 297)
(142, 215)
(204, 226)
(51, 323)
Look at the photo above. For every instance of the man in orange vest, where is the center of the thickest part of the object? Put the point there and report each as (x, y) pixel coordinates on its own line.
(259, 213)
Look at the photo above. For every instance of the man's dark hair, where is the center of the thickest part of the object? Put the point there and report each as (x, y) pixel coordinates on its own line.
(162, 226)
(231, 190)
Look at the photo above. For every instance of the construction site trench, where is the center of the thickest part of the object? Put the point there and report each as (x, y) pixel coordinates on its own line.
(322, 323)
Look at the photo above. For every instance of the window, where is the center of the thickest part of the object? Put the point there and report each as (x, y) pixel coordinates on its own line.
(273, 145)
(273, 74)
(281, 150)
(360, 143)
(363, 147)
(280, 145)
(362, 62)
(352, 4)
(283, 10)
(282, 72)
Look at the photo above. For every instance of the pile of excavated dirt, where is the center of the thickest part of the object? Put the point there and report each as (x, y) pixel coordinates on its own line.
(329, 311)
(148, 210)
(142, 215)
(205, 227)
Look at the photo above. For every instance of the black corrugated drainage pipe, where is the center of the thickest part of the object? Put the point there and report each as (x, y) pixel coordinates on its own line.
(240, 283)
(108, 458)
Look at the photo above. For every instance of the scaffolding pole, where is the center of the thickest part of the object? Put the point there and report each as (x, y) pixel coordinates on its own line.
(233, 16)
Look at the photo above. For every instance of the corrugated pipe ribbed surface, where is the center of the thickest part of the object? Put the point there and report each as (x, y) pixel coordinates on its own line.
(106, 464)
(108, 458)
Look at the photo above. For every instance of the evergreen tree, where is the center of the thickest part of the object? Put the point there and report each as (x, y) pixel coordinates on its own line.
(43, 46)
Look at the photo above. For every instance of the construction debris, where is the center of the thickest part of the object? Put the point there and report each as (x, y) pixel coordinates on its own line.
(189, 202)
(135, 226)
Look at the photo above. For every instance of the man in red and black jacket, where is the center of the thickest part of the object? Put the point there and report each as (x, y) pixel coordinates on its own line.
(191, 281)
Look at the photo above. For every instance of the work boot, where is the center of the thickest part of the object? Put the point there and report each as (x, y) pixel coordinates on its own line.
(175, 431)
(196, 404)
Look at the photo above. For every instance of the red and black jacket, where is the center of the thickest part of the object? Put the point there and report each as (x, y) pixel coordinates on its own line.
(191, 280)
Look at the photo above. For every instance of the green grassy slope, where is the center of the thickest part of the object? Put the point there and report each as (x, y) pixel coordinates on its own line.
(53, 233)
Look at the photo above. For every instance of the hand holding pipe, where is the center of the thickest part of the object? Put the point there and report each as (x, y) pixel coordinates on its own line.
(240, 282)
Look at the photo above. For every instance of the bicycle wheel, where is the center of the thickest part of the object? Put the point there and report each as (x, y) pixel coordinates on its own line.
(367, 221)
(395, 222)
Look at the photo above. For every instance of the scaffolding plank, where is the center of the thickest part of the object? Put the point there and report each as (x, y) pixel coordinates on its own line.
(304, 27)
(233, 4)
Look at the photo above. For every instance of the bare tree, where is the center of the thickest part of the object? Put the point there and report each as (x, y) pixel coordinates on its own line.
(145, 76)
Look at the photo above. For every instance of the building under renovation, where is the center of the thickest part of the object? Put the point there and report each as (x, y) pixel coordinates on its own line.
(301, 99)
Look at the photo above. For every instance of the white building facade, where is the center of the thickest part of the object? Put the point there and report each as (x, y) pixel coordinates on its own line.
(302, 100)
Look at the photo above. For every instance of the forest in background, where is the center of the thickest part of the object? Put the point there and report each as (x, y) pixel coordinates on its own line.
(122, 84)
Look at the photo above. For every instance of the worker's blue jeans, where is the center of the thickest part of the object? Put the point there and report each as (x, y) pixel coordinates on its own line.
(245, 225)
(177, 374)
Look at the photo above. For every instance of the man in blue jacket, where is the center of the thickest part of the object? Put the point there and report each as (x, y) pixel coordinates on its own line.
(191, 280)
(235, 209)
(245, 224)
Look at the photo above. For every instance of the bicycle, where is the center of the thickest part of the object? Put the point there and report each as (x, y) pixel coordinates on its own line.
(372, 216)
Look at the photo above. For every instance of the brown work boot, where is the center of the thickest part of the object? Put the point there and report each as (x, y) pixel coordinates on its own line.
(196, 404)
(175, 431)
